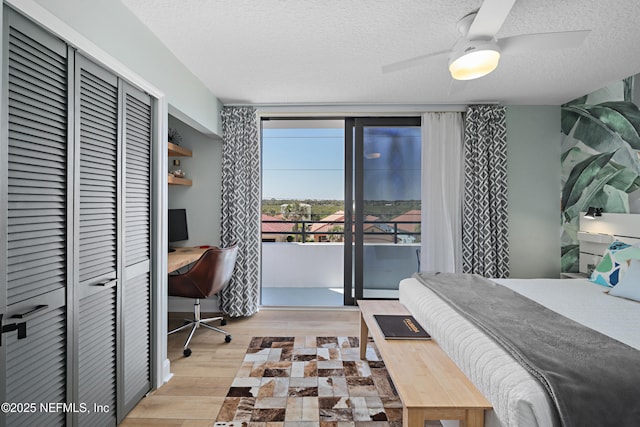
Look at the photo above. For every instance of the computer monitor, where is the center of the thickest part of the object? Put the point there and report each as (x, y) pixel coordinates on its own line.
(178, 225)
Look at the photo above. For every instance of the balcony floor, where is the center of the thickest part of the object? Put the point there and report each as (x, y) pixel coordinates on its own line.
(314, 297)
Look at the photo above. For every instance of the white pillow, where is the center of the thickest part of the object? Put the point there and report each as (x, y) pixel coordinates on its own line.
(629, 285)
(628, 253)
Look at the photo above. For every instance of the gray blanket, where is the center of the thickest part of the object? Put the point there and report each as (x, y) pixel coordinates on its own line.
(593, 379)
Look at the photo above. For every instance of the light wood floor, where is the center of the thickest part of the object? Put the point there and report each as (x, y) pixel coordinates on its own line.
(192, 398)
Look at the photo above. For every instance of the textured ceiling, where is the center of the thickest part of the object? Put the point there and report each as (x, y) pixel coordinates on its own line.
(332, 51)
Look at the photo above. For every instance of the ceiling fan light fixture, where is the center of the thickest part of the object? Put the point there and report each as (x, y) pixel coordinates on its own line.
(474, 59)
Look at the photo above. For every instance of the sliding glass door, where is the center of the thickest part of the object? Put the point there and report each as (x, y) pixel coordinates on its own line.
(340, 209)
(302, 212)
(383, 205)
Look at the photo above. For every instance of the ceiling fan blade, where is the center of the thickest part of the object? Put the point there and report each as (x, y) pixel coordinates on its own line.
(412, 62)
(542, 41)
(490, 18)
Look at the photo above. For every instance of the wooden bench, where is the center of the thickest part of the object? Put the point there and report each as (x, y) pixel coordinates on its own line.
(430, 385)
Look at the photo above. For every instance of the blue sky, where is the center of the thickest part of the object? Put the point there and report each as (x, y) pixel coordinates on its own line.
(308, 163)
(303, 163)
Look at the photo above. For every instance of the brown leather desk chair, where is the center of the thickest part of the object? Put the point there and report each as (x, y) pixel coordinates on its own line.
(208, 276)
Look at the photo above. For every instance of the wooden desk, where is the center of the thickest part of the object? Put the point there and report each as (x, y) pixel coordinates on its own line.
(430, 385)
(183, 256)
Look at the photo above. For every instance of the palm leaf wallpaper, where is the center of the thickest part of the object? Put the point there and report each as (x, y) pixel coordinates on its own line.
(600, 159)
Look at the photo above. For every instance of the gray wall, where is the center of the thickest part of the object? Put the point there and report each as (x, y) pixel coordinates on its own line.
(534, 150)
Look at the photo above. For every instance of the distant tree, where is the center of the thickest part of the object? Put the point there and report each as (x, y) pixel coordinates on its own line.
(296, 212)
(336, 237)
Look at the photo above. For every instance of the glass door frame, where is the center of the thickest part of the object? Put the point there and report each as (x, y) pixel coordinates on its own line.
(354, 198)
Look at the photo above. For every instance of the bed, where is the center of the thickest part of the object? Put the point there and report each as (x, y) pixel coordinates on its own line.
(518, 398)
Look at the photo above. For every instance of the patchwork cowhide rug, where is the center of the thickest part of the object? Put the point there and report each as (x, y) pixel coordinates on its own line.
(308, 382)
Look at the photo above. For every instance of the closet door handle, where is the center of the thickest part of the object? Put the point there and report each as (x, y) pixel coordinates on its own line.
(29, 313)
(108, 283)
(20, 327)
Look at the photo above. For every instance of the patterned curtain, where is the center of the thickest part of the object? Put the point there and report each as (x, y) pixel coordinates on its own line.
(241, 208)
(485, 233)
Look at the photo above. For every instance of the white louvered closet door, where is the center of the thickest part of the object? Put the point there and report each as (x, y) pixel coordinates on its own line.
(96, 257)
(33, 225)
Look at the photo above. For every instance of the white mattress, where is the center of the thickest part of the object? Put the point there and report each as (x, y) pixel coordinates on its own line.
(517, 398)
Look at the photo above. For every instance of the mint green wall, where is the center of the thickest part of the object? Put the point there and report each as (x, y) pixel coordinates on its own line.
(203, 199)
(113, 28)
(533, 150)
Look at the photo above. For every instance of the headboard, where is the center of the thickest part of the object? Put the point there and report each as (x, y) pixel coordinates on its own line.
(595, 235)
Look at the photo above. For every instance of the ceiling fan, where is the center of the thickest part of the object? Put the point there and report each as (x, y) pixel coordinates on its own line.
(478, 51)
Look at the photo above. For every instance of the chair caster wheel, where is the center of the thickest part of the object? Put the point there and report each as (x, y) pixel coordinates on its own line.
(187, 352)
(223, 322)
(227, 338)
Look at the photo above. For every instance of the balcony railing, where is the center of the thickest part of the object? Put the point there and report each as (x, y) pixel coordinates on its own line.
(383, 230)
